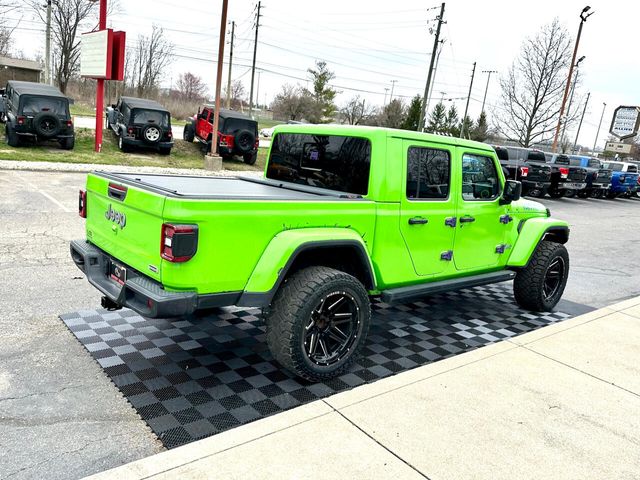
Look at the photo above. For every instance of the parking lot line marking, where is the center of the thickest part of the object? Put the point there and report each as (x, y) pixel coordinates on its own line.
(42, 192)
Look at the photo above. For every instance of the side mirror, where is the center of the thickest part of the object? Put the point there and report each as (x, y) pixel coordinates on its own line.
(512, 192)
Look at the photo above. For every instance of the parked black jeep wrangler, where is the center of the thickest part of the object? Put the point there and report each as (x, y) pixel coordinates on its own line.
(237, 133)
(138, 122)
(35, 111)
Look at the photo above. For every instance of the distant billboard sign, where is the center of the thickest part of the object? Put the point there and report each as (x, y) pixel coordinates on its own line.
(618, 147)
(95, 54)
(625, 122)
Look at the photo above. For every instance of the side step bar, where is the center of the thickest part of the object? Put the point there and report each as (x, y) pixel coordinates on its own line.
(413, 292)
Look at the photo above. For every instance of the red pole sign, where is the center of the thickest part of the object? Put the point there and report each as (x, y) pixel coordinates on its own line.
(102, 25)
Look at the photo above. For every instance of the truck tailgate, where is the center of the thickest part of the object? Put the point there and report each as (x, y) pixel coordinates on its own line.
(125, 222)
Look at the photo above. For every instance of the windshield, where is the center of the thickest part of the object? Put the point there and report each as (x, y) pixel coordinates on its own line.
(632, 169)
(150, 116)
(594, 163)
(616, 167)
(32, 105)
(324, 161)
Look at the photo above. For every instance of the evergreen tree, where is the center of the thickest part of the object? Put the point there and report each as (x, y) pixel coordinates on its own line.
(437, 119)
(323, 94)
(451, 122)
(413, 114)
(466, 127)
(480, 131)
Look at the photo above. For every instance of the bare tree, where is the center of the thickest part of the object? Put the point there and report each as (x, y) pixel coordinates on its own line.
(191, 87)
(532, 89)
(238, 95)
(393, 114)
(151, 57)
(292, 103)
(356, 111)
(5, 30)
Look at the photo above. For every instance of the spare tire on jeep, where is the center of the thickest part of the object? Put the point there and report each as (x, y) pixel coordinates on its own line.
(46, 125)
(244, 141)
(151, 133)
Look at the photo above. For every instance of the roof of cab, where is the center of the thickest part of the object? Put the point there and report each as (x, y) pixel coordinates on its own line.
(134, 102)
(33, 88)
(335, 129)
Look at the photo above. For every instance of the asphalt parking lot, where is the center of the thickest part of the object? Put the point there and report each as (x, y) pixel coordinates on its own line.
(60, 415)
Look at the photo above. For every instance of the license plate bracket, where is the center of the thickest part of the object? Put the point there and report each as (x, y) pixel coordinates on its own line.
(117, 273)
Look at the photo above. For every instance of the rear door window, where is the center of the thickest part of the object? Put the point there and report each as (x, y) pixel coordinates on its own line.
(428, 174)
(150, 116)
(326, 161)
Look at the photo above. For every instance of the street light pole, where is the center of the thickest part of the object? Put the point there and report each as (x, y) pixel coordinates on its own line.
(47, 60)
(583, 18)
(580, 124)
(573, 89)
(604, 106)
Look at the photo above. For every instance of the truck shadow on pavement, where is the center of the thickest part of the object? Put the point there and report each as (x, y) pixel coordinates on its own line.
(197, 376)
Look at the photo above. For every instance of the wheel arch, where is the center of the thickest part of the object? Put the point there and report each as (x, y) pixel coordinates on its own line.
(290, 252)
(531, 233)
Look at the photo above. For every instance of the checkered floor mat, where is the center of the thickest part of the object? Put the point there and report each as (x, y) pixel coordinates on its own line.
(197, 376)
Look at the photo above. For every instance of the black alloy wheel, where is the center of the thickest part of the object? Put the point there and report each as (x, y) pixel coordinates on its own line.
(553, 277)
(332, 329)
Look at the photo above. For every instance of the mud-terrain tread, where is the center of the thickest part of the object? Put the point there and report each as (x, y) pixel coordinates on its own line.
(527, 286)
(284, 313)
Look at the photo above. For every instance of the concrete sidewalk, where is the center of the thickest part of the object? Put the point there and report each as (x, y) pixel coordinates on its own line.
(559, 402)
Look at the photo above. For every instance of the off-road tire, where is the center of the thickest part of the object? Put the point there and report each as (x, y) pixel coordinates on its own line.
(556, 193)
(528, 286)
(121, 145)
(250, 158)
(570, 193)
(583, 194)
(291, 311)
(188, 134)
(68, 143)
(46, 125)
(13, 140)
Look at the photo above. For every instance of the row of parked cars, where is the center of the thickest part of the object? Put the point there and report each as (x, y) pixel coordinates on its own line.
(561, 175)
(36, 112)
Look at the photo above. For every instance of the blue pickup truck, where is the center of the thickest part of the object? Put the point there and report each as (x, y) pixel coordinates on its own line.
(624, 180)
(598, 180)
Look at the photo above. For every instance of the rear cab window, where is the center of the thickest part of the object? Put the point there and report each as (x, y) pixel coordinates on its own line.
(232, 125)
(150, 116)
(334, 162)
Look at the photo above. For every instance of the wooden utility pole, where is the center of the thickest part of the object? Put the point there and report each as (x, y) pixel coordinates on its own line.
(466, 108)
(393, 84)
(216, 115)
(486, 89)
(233, 29)
(430, 74)
(255, 50)
(595, 142)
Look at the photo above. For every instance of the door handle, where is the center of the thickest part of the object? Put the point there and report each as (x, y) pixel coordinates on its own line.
(418, 221)
(467, 219)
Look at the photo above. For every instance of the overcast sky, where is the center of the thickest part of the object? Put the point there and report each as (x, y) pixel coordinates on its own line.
(369, 43)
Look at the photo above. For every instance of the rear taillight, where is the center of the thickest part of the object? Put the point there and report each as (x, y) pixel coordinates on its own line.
(524, 171)
(595, 175)
(170, 134)
(257, 144)
(226, 140)
(564, 172)
(638, 181)
(82, 204)
(130, 130)
(21, 120)
(178, 243)
(69, 123)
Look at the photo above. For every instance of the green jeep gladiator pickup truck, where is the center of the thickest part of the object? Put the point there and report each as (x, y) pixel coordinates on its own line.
(342, 215)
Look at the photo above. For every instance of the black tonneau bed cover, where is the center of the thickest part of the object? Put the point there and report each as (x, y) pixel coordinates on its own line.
(235, 188)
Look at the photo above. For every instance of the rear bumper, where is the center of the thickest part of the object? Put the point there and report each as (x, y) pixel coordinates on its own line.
(572, 185)
(140, 293)
(141, 143)
(542, 184)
